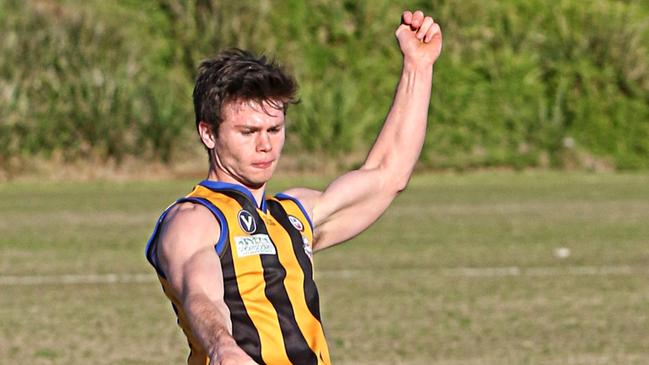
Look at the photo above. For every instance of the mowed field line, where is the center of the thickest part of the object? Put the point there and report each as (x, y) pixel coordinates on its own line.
(466, 272)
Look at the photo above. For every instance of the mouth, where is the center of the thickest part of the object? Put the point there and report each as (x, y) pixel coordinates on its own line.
(262, 164)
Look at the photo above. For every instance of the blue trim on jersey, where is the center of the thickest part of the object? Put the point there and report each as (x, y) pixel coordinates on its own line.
(220, 185)
(284, 196)
(223, 237)
(147, 251)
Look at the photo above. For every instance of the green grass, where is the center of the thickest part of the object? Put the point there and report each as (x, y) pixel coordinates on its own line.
(394, 295)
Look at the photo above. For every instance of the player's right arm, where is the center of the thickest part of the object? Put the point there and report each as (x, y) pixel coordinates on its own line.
(190, 263)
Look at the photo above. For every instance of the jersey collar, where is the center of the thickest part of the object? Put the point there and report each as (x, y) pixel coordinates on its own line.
(220, 185)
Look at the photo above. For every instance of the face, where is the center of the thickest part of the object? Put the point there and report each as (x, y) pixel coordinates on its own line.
(249, 143)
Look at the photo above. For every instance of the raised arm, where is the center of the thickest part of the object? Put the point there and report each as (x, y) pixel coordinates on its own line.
(187, 257)
(354, 201)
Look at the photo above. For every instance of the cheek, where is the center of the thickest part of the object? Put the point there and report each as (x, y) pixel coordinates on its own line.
(278, 140)
(232, 148)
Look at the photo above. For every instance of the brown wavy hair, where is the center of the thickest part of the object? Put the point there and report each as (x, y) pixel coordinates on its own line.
(236, 75)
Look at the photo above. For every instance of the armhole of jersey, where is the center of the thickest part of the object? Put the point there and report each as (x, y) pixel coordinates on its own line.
(150, 251)
(220, 245)
(283, 196)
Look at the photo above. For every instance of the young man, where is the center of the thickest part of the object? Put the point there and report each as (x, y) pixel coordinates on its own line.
(235, 263)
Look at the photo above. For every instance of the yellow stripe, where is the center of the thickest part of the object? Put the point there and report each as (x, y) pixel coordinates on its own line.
(293, 209)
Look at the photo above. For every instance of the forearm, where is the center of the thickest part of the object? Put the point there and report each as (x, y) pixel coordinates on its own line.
(211, 327)
(400, 141)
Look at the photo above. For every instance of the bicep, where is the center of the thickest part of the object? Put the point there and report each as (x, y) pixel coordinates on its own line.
(348, 206)
(349, 221)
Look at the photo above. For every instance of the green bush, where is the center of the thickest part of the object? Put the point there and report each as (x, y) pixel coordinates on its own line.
(520, 83)
(77, 84)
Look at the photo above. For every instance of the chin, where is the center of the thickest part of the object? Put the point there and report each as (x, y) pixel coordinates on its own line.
(258, 180)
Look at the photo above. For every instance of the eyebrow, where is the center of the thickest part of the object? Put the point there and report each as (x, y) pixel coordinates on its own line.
(245, 126)
(256, 128)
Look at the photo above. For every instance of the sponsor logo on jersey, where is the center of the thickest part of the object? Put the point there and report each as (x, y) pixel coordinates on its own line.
(307, 246)
(257, 244)
(246, 221)
(296, 223)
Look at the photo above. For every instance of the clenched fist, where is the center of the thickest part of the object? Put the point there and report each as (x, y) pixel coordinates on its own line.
(420, 38)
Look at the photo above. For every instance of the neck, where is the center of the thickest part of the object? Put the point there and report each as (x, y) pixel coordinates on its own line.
(218, 175)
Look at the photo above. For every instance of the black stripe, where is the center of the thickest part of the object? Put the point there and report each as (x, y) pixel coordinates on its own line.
(297, 348)
(310, 289)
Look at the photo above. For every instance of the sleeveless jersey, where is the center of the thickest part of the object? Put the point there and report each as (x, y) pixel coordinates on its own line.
(265, 253)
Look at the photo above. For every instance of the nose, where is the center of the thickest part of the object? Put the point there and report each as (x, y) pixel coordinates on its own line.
(263, 142)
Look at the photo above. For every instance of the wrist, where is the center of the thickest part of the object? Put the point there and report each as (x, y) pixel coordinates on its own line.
(417, 68)
(229, 355)
(417, 65)
(225, 346)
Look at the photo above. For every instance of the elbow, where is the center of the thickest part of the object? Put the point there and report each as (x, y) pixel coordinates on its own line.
(396, 183)
(399, 178)
(401, 184)
(395, 179)
(394, 175)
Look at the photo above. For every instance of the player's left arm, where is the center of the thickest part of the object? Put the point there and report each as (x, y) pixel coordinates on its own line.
(355, 200)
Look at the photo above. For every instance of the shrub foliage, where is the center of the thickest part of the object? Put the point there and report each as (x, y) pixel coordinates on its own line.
(520, 83)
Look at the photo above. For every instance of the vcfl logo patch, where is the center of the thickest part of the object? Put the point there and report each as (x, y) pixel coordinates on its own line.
(296, 223)
(246, 221)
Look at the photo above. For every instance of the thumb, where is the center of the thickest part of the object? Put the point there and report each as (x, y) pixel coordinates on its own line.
(401, 29)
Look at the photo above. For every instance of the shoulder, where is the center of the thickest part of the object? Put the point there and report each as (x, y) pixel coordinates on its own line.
(302, 194)
(188, 227)
(305, 197)
(188, 215)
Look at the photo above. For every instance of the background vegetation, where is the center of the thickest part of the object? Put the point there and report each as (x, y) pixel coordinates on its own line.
(520, 83)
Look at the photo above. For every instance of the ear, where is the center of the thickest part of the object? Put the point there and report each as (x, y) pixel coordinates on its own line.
(205, 132)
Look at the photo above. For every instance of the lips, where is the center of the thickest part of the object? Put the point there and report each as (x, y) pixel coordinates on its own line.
(262, 165)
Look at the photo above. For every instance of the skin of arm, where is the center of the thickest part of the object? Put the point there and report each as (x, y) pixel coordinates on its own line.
(187, 257)
(355, 200)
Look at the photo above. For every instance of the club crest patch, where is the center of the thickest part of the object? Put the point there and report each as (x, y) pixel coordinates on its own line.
(246, 221)
(296, 223)
(257, 244)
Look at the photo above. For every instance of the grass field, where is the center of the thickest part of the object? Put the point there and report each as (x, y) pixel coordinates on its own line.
(461, 270)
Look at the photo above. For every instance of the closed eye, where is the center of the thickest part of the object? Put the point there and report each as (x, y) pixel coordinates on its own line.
(276, 129)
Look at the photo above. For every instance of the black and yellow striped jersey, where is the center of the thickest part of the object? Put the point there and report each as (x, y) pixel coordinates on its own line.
(265, 253)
